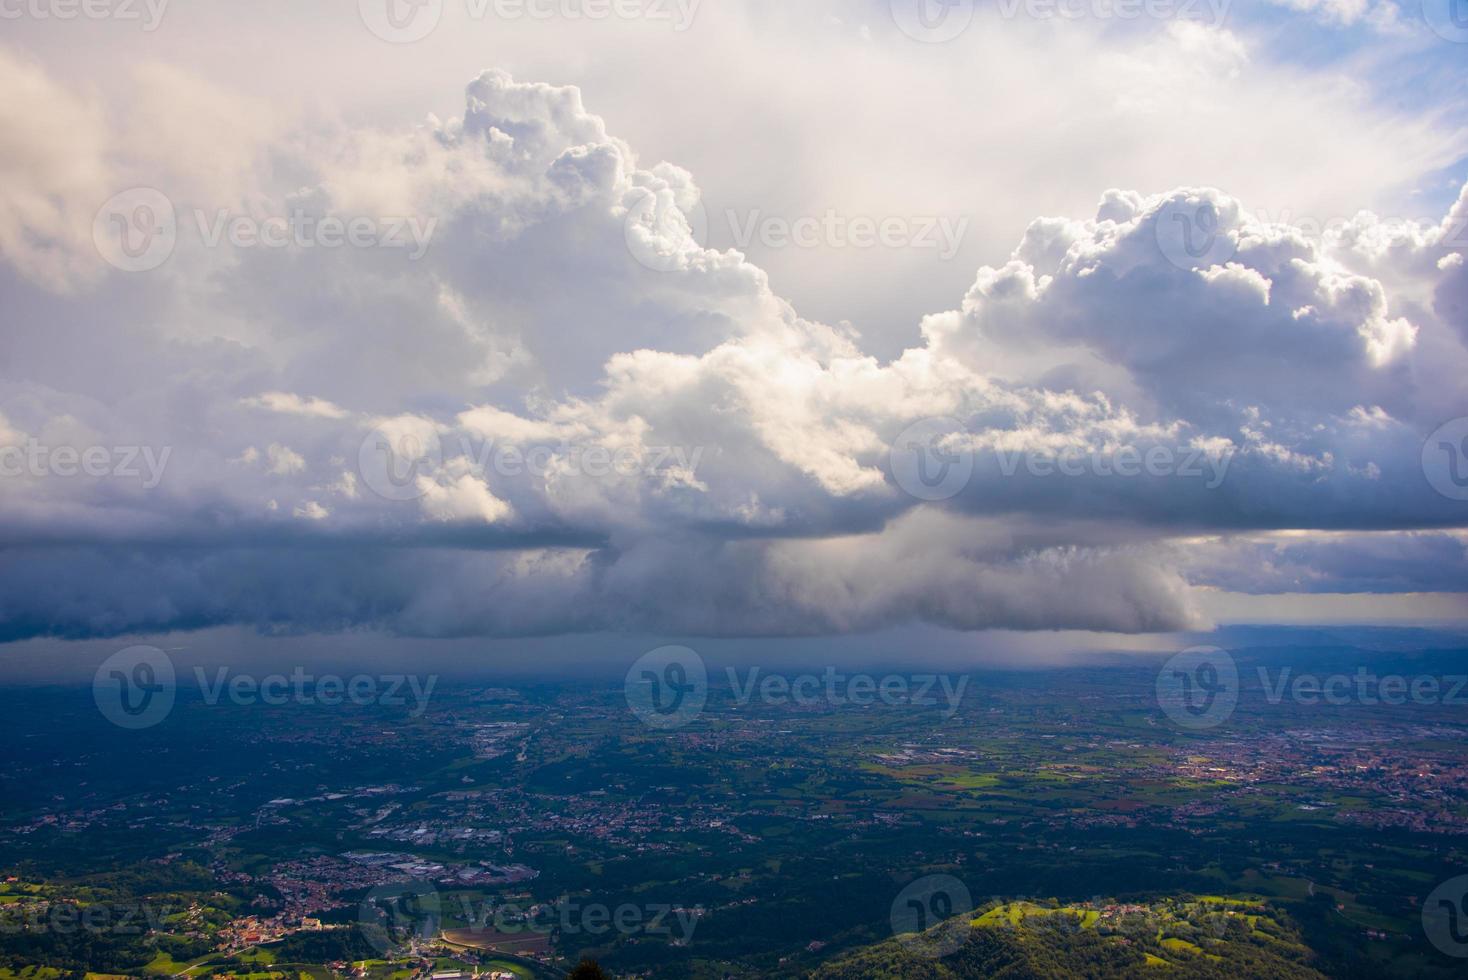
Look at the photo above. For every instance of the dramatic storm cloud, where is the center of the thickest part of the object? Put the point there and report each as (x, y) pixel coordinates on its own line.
(482, 377)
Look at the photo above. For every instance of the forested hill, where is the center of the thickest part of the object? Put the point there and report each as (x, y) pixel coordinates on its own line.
(1177, 938)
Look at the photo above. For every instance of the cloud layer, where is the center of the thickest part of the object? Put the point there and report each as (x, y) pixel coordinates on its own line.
(525, 399)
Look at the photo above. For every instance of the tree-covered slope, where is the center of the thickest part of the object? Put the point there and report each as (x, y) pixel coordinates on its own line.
(1176, 938)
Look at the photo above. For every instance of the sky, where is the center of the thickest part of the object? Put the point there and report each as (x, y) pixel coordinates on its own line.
(493, 320)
